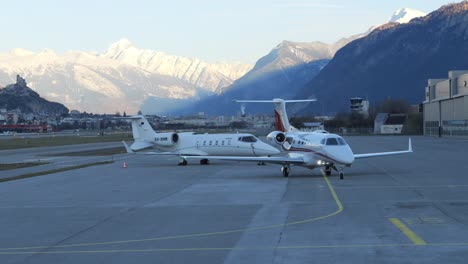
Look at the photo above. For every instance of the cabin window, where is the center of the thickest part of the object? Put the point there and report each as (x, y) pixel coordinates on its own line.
(229, 142)
(322, 141)
(204, 143)
(222, 143)
(211, 143)
(248, 139)
(216, 143)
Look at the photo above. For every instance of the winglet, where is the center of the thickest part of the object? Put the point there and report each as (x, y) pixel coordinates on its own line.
(410, 146)
(127, 148)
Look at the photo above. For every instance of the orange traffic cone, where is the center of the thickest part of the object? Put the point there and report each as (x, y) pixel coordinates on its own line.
(124, 165)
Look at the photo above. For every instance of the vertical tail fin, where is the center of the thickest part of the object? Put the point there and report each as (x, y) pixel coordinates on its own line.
(281, 117)
(142, 132)
(141, 128)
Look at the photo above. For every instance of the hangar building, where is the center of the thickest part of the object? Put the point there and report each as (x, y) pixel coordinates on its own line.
(446, 105)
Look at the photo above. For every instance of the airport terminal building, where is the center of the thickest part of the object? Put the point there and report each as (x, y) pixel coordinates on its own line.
(446, 105)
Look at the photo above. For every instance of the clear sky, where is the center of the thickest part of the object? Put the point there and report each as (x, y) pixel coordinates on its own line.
(212, 30)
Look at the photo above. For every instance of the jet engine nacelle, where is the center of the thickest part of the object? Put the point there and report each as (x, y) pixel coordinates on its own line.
(277, 136)
(166, 139)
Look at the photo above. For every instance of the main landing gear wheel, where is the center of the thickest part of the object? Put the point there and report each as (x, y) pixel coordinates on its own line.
(285, 170)
(327, 171)
(182, 162)
(261, 163)
(341, 175)
(204, 162)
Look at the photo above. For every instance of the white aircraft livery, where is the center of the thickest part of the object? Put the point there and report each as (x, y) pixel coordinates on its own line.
(192, 144)
(308, 149)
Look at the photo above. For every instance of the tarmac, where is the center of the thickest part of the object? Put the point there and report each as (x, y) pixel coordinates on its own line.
(399, 209)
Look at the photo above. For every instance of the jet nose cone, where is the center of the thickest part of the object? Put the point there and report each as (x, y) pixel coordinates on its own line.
(347, 157)
(264, 149)
(343, 155)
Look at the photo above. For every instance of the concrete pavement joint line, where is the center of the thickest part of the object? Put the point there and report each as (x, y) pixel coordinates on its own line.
(235, 248)
(408, 232)
(332, 191)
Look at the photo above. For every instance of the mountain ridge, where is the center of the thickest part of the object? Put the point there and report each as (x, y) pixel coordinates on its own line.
(395, 60)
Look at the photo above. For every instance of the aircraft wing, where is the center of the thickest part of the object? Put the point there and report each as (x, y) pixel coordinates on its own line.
(277, 160)
(371, 155)
(130, 151)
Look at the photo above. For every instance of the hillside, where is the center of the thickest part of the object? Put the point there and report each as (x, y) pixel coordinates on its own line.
(20, 96)
(395, 60)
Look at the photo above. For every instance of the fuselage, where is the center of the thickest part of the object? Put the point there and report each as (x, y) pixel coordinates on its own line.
(240, 144)
(317, 149)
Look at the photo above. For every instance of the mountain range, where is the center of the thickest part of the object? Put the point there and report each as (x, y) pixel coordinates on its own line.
(395, 60)
(126, 78)
(283, 72)
(121, 79)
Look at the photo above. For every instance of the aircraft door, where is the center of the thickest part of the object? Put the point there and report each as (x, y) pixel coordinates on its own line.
(252, 145)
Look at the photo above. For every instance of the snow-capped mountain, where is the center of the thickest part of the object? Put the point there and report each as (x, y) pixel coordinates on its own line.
(121, 79)
(409, 53)
(404, 15)
(88, 82)
(285, 70)
(199, 73)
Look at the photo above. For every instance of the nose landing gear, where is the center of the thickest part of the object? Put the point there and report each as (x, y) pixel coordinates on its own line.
(332, 166)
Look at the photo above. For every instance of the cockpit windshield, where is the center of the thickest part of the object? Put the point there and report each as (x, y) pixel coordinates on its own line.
(249, 139)
(342, 141)
(334, 141)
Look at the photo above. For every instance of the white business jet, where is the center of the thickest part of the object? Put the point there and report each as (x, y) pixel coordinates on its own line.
(318, 149)
(192, 144)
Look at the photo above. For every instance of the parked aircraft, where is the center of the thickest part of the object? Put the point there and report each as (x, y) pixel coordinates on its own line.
(193, 144)
(318, 149)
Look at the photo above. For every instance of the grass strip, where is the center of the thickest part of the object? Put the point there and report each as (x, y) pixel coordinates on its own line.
(19, 165)
(41, 173)
(51, 141)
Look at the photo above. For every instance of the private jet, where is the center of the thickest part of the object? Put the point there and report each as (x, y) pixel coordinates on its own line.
(193, 144)
(318, 149)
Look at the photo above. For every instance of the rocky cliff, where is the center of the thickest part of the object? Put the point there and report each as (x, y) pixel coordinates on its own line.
(20, 96)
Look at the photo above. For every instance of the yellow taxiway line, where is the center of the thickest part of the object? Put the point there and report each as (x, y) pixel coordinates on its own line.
(408, 232)
(330, 187)
(298, 247)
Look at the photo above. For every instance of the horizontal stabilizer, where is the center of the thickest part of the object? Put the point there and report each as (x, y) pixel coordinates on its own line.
(137, 145)
(275, 101)
(129, 150)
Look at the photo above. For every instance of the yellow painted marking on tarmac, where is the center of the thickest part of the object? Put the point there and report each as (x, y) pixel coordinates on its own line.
(330, 187)
(408, 233)
(357, 246)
